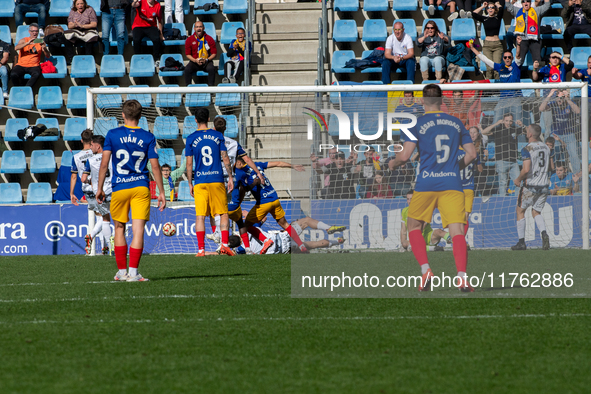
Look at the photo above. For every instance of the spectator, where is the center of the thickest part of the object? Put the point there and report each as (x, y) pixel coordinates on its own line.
(409, 105)
(564, 123)
(577, 19)
(29, 57)
(169, 178)
(505, 137)
(148, 23)
(367, 169)
(492, 47)
(399, 53)
(341, 179)
(234, 66)
(39, 6)
(555, 71)
(458, 106)
(527, 25)
(443, 3)
(317, 163)
(82, 23)
(179, 13)
(584, 75)
(379, 187)
(562, 183)
(465, 7)
(113, 17)
(4, 54)
(200, 50)
(551, 142)
(400, 179)
(433, 44)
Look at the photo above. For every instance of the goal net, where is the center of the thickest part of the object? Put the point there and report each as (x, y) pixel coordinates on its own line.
(346, 137)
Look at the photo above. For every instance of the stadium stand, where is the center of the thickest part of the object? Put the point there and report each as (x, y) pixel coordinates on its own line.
(184, 193)
(339, 59)
(189, 126)
(103, 125)
(374, 30)
(227, 99)
(182, 28)
(141, 66)
(13, 162)
(198, 7)
(209, 30)
(228, 33)
(176, 56)
(463, 29)
(60, 8)
(49, 123)
(5, 34)
(76, 97)
(579, 56)
(231, 126)
(83, 66)
(166, 156)
(7, 9)
(166, 128)
(60, 64)
(11, 193)
(235, 7)
(13, 125)
(39, 193)
(345, 31)
(556, 23)
(21, 97)
(144, 99)
(50, 97)
(42, 162)
(404, 5)
(112, 66)
(193, 100)
(109, 101)
(168, 100)
(376, 5)
(346, 5)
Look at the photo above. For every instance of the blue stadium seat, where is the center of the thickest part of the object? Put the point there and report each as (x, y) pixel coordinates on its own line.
(112, 66)
(227, 99)
(166, 156)
(76, 97)
(210, 30)
(401, 82)
(141, 66)
(579, 56)
(193, 100)
(42, 162)
(235, 6)
(13, 162)
(223, 60)
(96, 4)
(333, 126)
(182, 28)
(186, 6)
(50, 97)
(502, 31)
(73, 128)
(83, 66)
(426, 8)
(374, 30)
(7, 9)
(490, 147)
(103, 125)
(345, 30)
(189, 126)
(21, 97)
(5, 32)
(200, 3)
(60, 8)
(370, 70)
(339, 59)
(109, 100)
(22, 31)
(11, 193)
(555, 22)
(13, 125)
(60, 64)
(378, 5)
(49, 123)
(39, 193)
(404, 5)
(546, 51)
(175, 56)
(439, 22)
(166, 128)
(528, 92)
(463, 29)
(231, 125)
(113, 38)
(229, 31)
(184, 192)
(143, 123)
(528, 63)
(164, 100)
(144, 99)
(66, 160)
(410, 27)
(346, 5)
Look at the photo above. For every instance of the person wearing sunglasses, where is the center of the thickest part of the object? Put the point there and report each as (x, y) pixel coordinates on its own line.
(527, 25)
(555, 70)
(492, 47)
(433, 44)
(577, 19)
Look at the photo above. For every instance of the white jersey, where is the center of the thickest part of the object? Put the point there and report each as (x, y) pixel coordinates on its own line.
(233, 150)
(281, 243)
(539, 154)
(79, 163)
(93, 166)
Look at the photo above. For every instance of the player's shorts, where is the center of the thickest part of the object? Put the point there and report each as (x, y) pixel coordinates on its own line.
(136, 199)
(235, 215)
(91, 200)
(259, 212)
(468, 200)
(532, 196)
(104, 208)
(210, 199)
(449, 202)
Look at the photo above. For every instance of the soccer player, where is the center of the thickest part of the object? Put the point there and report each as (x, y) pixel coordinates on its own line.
(91, 171)
(536, 157)
(208, 148)
(266, 200)
(131, 147)
(438, 139)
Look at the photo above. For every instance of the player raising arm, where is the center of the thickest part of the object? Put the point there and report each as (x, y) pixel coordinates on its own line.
(132, 147)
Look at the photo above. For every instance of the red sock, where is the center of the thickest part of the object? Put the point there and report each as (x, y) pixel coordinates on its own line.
(134, 257)
(213, 227)
(419, 247)
(294, 235)
(201, 240)
(466, 226)
(460, 252)
(225, 237)
(257, 233)
(245, 240)
(121, 257)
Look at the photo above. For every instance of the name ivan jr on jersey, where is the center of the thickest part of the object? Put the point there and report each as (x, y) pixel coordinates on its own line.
(130, 139)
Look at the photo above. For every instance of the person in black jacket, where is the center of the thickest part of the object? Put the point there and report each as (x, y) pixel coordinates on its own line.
(577, 19)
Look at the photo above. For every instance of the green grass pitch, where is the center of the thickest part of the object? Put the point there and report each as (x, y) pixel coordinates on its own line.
(221, 324)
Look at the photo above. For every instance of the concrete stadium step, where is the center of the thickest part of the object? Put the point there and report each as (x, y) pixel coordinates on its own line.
(284, 78)
(263, 29)
(281, 47)
(283, 59)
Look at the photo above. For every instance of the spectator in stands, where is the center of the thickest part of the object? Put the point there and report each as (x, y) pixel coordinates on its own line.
(4, 54)
(577, 19)
(565, 121)
(443, 3)
(179, 13)
(200, 50)
(433, 44)
(551, 142)
(29, 58)
(113, 17)
(399, 53)
(555, 71)
(458, 106)
(148, 23)
(367, 169)
(379, 187)
(82, 23)
(409, 105)
(584, 75)
(505, 135)
(562, 183)
(492, 47)
(169, 178)
(341, 179)
(400, 179)
(39, 6)
(317, 163)
(527, 25)
(234, 66)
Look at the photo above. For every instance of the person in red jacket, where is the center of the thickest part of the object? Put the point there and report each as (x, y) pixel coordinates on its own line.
(200, 50)
(148, 23)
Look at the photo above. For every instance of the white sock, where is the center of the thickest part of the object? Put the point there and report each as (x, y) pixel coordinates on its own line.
(521, 228)
(424, 268)
(98, 226)
(101, 238)
(333, 242)
(540, 223)
(462, 274)
(132, 272)
(122, 272)
(107, 234)
(323, 226)
(218, 232)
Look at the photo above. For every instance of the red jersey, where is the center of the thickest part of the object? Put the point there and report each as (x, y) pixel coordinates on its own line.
(152, 13)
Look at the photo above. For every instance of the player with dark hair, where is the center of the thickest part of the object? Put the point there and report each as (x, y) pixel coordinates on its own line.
(438, 137)
(131, 147)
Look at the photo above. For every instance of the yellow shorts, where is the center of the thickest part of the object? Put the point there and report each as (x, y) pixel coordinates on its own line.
(236, 215)
(259, 212)
(449, 202)
(210, 199)
(137, 199)
(468, 200)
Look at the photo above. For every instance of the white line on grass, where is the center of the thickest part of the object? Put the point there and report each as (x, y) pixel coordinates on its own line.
(161, 296)
(112, 281)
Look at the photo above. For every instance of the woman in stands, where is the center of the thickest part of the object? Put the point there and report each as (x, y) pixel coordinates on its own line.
(82, 23)
(493, 47)
(433, 44)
